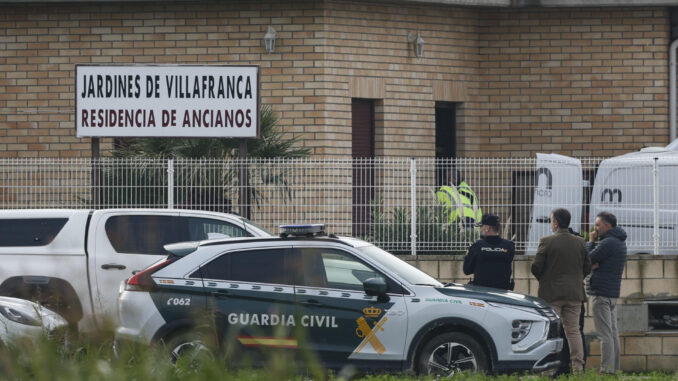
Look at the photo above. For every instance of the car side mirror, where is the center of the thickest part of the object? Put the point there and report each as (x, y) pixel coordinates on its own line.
(376, 287)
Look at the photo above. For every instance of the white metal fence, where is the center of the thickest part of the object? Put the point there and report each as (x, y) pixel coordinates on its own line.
(390, 202)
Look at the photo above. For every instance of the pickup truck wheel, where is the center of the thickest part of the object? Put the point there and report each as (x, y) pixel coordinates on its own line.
(188, 348)
(450, 353)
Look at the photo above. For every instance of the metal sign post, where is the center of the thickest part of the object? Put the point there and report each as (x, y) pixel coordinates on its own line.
(243, 180)
(96, 174)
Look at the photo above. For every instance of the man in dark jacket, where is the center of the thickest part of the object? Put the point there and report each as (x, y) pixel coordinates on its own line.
(491, 257)
(560, 266)
(608, 256)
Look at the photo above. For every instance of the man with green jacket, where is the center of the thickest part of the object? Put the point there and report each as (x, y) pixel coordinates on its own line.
(460, 202)
(560, 266)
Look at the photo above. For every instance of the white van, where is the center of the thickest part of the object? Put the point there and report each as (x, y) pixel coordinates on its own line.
(624, 186)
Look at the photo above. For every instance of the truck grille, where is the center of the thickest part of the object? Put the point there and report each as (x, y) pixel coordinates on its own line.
(59, 335)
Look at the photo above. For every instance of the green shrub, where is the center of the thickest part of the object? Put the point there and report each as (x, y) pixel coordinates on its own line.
(391, 230)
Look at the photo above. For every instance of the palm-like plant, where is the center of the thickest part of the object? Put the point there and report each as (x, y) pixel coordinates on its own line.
(211, 176)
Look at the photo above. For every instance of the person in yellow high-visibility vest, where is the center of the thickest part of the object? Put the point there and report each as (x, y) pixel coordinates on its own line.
(460, 202)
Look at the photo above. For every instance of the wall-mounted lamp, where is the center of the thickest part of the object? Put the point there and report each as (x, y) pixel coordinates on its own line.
(417, 43)
(269, 40)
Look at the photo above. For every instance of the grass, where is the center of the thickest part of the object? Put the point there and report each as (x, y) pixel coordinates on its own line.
(92, 358)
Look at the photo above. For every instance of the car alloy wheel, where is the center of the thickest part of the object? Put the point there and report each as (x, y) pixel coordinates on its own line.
(188, 348)
(450, 358)
(194, 349)
(449, 353)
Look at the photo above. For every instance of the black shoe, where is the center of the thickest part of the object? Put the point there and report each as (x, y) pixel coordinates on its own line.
(561, 372)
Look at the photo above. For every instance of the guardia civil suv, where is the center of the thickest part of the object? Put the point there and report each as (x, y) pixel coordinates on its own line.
(346, 300)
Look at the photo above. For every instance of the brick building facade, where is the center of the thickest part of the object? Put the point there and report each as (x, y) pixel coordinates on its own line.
(577, 81)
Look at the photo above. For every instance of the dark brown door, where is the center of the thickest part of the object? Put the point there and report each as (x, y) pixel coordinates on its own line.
(363, 166)
(446, 139)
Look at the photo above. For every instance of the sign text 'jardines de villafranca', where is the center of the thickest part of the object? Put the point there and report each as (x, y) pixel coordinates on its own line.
(167, 101)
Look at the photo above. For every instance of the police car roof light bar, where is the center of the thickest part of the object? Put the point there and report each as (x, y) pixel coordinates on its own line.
(309, 230)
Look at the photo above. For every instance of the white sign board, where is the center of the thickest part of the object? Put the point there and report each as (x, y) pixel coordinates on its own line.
(167, 101)
(559, 184)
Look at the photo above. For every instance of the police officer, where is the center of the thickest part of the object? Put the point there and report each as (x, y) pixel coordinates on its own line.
(489, 259)
(460, 202)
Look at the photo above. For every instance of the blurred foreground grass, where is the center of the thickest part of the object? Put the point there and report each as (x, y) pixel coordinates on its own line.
(92, 358)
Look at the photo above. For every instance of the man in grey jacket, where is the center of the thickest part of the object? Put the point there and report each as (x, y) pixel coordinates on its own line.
(608, 257)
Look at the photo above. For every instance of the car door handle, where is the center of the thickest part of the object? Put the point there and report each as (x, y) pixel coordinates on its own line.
(312, 302)
(116, 266)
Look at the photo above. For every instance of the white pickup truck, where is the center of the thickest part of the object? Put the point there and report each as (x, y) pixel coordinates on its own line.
(73, 260)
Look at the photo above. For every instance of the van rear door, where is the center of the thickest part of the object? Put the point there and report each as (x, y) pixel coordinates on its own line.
(558, 184)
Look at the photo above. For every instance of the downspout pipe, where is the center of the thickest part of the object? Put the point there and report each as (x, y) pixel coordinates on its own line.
(672, 89)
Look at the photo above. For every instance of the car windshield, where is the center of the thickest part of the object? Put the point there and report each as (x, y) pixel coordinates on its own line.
(397, 266)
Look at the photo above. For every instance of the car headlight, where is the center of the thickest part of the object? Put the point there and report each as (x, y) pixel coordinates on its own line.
(519, 330)
(550, 313)
(18, 316)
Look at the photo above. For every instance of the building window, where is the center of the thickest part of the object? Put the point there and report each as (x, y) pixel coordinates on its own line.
(446, 139)
(362, 151)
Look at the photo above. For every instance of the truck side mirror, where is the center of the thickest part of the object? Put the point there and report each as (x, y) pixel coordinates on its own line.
(376, 287)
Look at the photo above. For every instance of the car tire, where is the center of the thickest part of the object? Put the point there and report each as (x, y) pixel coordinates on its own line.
(449, 353)
(188, 347)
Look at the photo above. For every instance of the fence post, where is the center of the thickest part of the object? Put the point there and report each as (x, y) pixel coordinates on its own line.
(413, 205)
(655, 175)
(170, 183)
(96, 182)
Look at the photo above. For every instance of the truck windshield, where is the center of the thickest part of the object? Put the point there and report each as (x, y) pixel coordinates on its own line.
(397, 266)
